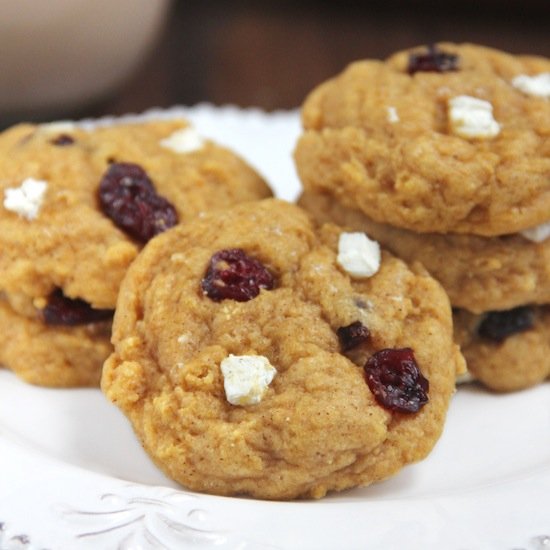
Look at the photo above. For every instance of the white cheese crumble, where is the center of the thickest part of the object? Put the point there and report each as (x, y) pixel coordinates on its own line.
(26, 199)
(538, 233)
(358, 255)
(186, 140)
(538, 85)
(246, 378)
(392, 114)
(60, 127)
(471, 117)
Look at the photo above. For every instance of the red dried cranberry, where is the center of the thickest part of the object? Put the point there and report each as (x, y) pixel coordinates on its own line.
(62, 140)
(127, 196)
(352, 335)
(234, 275)
(434, 60)
(395, 380)
(498, 325)
(61, 310)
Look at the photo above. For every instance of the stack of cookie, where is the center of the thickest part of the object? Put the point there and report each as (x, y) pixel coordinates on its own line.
(258, 353)
(443, 155)
(78, 204)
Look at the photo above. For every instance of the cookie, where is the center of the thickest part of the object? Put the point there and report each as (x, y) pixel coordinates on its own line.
(78, 203)
(454, 138)
(251, 355)
(478, 273)
(486, 278)
(53, 356)
(506, 350)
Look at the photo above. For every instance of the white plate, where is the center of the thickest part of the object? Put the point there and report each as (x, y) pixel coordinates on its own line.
(72, 475)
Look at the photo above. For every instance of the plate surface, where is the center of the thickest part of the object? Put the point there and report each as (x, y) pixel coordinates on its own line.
(73, 476)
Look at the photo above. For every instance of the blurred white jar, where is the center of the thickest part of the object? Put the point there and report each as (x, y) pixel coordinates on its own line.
(66, 53)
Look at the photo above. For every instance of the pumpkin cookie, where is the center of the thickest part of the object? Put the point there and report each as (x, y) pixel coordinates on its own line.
(45, 355)
(489, 280)
(254, 355)
(478, 273)
(453, 138)
(77, 204)
(506, 350)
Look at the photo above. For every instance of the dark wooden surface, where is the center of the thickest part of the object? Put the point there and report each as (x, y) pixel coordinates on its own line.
(270, 54)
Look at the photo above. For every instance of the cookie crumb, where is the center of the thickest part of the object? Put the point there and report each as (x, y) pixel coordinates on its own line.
(186, 140)
(26, 200)
(358, 255)
(471, 117)
(538, 85)
(246, 378)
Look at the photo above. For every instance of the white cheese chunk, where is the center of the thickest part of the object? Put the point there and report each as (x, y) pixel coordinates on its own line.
(538, 85)
(392, 115)
(246, 378)
(186, 140)
(358, 255)
(471, 117)
(538, 233)
(59, 127)
(26, 199)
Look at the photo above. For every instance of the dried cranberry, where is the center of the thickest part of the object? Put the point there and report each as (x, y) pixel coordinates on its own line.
(61, 310)
(62, 140)
(395, 380)
(352, 335)
(498, 325)
(234, 275)
(434, 60)
(127, 196)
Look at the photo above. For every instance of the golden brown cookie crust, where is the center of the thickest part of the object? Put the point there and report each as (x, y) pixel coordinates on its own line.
(318, 427)
(52, 356)
(520, 361)
(414, 172)
(478, 273)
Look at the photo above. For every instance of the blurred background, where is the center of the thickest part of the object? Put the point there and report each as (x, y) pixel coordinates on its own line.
(74, 58)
